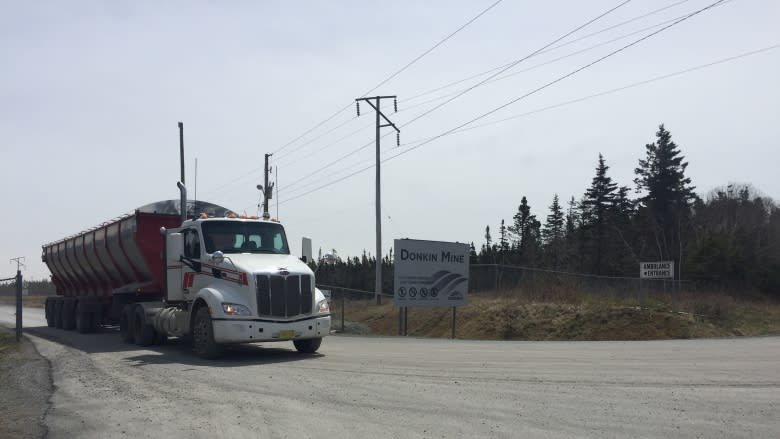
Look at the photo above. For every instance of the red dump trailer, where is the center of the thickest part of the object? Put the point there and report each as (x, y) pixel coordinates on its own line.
(101, 269)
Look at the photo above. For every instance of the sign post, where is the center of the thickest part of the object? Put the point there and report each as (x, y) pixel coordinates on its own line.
(656, 270)
(430, 274)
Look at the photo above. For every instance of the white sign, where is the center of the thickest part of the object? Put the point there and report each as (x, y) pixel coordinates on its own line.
(306, 249)
(656, 270)
(430, 273)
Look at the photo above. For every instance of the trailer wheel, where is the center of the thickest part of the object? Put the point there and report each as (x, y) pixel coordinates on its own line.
(143, 333)
(95, 321)
(57, 308)
(203, 336)
(125, 322)
(309, 346)
(50, 312)
(69, 314)
(83, 320)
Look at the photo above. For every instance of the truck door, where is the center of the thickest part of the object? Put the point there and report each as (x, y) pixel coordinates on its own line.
(174, 249)
(190, 262)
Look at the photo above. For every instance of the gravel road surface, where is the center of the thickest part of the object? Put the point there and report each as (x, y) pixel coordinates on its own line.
(366, 387)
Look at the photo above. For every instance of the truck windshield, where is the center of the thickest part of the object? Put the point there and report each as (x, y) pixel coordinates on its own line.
(244, 237)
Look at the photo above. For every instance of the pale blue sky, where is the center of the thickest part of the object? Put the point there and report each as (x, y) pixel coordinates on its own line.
(90, 94)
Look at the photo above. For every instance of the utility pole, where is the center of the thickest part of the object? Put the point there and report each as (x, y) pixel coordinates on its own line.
(376, 105)
(19, 287)
(267, 190)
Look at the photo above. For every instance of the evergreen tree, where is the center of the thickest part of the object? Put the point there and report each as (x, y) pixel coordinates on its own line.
(526, 229)
(553, 234)
(554, 226)
(503, 239)
(622, 227)
(665, 207)
(596, 208)
(488, 240)
(572, 236)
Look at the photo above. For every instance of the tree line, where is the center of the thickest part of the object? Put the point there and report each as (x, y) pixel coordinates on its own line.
(728, 238)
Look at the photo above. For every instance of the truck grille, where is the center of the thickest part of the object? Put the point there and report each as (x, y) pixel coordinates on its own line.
(284, 296)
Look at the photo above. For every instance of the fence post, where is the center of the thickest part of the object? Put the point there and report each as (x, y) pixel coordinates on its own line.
(18, 305)
(453, 322)
(400, 320)
(342, 310)
(406, 321)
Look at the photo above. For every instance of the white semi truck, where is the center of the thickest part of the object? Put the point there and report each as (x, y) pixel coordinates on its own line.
(202, 272)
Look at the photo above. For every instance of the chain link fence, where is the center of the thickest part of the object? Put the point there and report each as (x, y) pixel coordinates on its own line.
(532, 284)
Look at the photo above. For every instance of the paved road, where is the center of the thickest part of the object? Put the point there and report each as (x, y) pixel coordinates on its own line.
(361, 387)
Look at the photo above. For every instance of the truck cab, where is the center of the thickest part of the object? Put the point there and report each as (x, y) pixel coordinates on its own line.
(233, 280)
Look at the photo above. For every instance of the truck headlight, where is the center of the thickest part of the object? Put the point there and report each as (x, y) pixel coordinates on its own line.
(234, 309)
(323, 307)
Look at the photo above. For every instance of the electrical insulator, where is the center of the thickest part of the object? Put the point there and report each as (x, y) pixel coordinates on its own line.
(357, 104)
(397, 139)
(395, 104)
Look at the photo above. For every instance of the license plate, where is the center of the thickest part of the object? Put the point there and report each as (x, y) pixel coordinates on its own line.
(287, 334)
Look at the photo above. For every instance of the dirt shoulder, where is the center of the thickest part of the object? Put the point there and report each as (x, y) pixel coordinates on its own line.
(25, 380)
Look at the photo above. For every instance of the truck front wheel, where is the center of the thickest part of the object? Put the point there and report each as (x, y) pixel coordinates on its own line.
(143, 333)
(203, 336)
(125, 324)
(309, 346)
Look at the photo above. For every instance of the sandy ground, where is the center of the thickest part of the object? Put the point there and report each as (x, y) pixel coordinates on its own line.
(25, 384)
(359, 387)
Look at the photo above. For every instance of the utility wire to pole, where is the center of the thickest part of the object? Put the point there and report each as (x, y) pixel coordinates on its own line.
(482, 82)
(462, 126)
(19, 262)
(381, 83)
(377, 105)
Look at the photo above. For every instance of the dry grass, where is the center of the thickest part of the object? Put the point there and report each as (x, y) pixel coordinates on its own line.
(514, 315)
(28, 301)
(7, 342)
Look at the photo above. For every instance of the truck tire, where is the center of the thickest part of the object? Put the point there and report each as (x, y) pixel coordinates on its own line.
(83, 320)
(309, 346)
(95, 321)
(69, 314)
(203, 336)
(143, 333)
(57, 309)
(125, 324)
(50, 312)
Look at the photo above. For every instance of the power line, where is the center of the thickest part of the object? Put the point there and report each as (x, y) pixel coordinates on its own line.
(569, 55)
(647, 14)
(562, 104)
(511, 65)
(396, 73)
(433, 48)
(498, 78)
(459, 128)
(623, 23)
(625, 87)
(349, 105)
(561, 78)
(518, 61)
(488, 80)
